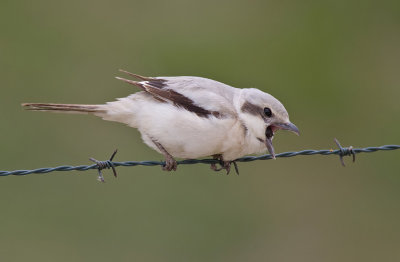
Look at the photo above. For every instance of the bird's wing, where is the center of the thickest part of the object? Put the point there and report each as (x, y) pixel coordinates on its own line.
(202, 96)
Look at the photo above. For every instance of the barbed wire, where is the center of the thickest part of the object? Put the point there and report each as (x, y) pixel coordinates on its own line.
(99, 165)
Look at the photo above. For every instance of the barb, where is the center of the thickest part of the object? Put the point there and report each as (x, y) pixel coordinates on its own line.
(345, 152)
(99, 165)
(105, 164)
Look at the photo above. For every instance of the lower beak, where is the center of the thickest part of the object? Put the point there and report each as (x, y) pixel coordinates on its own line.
(270, 147)
(288, 126)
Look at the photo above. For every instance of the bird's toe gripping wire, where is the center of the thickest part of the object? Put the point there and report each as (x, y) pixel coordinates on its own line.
(345, 151)
(224, 165)
(170, 164)
(105, 164)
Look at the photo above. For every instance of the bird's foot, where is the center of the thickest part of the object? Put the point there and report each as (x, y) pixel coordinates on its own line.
(170, 163)
(224, 165)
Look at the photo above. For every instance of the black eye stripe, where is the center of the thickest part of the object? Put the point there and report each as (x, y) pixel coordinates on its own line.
(267, 112)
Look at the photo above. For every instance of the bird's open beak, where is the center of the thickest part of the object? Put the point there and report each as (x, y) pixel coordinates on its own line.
(269, 133)
(288, 126)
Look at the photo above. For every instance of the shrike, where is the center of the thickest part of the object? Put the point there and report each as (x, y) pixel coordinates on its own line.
(192, 117)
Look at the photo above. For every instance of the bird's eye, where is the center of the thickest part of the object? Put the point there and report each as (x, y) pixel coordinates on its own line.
(267, 112)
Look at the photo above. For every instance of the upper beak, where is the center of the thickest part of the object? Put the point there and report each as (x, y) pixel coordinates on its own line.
(288, 126)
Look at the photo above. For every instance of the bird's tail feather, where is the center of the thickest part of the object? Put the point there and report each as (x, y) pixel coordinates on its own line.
(65, 108)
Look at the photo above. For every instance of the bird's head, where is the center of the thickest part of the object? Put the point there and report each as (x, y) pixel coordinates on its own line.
(263, 115)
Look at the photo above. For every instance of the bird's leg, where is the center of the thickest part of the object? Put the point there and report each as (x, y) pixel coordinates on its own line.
(224, 164)
(170, 162)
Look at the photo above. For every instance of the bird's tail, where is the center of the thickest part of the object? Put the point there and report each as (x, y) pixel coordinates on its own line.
(66, 108)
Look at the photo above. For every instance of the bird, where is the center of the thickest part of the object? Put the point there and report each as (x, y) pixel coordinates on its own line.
(191, 117)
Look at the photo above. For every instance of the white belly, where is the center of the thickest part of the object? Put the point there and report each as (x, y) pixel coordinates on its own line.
(186, 135)
(182, 133)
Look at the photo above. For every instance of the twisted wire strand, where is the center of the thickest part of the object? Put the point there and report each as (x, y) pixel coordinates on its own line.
(342, 151)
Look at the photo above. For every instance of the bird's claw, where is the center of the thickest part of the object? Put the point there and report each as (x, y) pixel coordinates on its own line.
(224, 165)
(170, 164)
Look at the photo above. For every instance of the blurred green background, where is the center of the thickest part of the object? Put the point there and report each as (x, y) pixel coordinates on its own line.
(334, 64)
